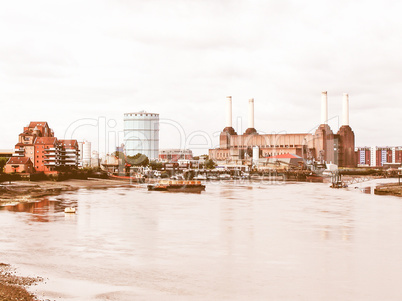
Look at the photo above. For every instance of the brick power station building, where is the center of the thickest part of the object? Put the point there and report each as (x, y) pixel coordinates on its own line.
(38, 147)
(323, 145)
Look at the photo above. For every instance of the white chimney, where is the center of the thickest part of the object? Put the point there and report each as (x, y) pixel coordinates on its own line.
(324, 108)
(229, 111)
(251, 113)
(345, 107)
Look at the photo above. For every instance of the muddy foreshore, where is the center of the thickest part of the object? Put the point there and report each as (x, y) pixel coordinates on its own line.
(389, 189)
(22, 191)
(14, 287)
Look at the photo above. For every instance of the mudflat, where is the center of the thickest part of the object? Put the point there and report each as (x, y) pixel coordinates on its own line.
(389, 189)
(23, 191)
(13, 287)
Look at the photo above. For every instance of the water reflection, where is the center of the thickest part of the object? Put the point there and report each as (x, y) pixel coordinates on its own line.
(248, 242)
(44, 210)
(368, 190)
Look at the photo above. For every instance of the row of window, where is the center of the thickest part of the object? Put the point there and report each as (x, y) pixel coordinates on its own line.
(226, 155)
(142, 114)
(266, 146)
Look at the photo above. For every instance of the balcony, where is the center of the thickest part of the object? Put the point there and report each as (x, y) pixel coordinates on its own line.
(69, 155)
(50, 154)
(51, 159)
(19, 150)
(50, 164)
(18, 155)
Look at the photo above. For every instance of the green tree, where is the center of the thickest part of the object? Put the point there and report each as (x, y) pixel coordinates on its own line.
(209, 164)
(155, 165)
(138, 160)
(3, 162)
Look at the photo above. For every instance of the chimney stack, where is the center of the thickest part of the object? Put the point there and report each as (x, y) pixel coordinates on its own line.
(229, 111)
(324, 108)
(251, 113)
(345, 107)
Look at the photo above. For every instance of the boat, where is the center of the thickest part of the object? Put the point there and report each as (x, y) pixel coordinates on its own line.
(138, 178)
(177, 186)
(225, 177)
(313, 177)
(69, 210)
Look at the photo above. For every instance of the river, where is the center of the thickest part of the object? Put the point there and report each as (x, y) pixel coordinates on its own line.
(247, 241)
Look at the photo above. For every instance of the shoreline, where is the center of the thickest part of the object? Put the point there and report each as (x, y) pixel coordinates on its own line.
(14, 287)
(23, 192)
(393, 189)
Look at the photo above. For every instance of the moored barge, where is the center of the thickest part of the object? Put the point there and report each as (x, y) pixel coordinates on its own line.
(177, 186)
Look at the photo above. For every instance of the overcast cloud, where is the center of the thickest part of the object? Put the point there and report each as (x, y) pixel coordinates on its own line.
(61, 61)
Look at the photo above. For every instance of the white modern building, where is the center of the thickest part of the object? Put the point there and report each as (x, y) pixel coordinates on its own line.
(85, 153)
(141, 134)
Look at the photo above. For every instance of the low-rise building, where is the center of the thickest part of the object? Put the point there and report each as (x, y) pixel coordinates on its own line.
(173, 155)
(19, 165)
(378, 156)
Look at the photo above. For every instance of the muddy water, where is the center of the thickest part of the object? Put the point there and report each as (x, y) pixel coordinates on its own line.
(245, 242)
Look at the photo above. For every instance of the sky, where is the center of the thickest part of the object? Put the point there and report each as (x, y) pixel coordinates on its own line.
(80, 65)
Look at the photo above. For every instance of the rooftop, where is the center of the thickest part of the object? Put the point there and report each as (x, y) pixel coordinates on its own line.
(19, 160)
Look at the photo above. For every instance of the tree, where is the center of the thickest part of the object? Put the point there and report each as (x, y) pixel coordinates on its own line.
(155, 165)
(138, 160)
(3, 162)
(209, 164)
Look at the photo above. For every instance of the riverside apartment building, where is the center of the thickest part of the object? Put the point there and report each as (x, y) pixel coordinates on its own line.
(47, 153)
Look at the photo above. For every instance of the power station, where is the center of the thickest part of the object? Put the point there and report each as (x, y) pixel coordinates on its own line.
(323, 145)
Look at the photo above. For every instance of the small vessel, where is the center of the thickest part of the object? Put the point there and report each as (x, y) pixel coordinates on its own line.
(137, 178)
(225, 176)
(313, 177)
(177, 186)
(69, 210)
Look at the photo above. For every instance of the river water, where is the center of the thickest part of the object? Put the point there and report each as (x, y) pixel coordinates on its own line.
(247, 241)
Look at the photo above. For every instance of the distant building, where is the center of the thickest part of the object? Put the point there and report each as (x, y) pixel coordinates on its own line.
(378, 156)
(141, 134)
(174, 155)
(84, 159)
(120, 148)
(6, 153)
(45, 152)
(111, 163)
(19, 165)
(69, 153)
(322, 145)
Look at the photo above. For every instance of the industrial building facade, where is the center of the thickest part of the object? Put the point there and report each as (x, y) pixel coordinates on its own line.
(173, 155)
(46, 152)
(141, 134)
(378, 156)
(323, 145)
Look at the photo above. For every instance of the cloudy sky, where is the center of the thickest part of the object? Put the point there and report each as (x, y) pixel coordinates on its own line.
(75, 63)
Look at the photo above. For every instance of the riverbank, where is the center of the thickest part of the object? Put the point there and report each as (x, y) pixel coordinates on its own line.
(13, 287)
(22, 191)
(389, 189)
